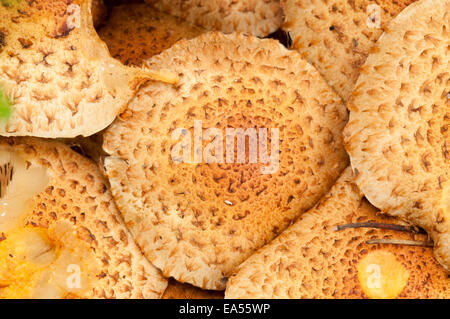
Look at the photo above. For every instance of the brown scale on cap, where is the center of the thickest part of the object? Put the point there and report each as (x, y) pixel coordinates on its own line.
(311, 259)
(398, 133)
(335, 36)
(256, 17)
(58, 73)
(137, 32)
(77, 194)
(196, 222)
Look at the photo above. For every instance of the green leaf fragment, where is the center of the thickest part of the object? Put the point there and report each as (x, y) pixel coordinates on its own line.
(5, 106)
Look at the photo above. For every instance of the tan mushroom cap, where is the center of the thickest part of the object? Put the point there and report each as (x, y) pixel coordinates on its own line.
(176, 290)
(259, 18)
(136, 32)
(398, 134)
(78, 194)
(58, 73)
(336, 35)
(311, 259)
(197, 222)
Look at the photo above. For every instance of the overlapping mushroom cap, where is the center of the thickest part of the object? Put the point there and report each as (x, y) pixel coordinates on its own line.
(197, 220)
(57, 75)
(327, 254)
(259, 18)
(61, 236)
(398, 136)
(136, 32)
(336, 35)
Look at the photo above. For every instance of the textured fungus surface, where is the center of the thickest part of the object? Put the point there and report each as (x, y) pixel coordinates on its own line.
(136, 32)
(398, 135)
(78, 194)
(256, 17)
(313, 260)
(336, 35)
(196, 222)
(58, 73)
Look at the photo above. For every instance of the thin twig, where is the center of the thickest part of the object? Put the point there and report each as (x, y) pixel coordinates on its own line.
(400, 242)
(409, 229)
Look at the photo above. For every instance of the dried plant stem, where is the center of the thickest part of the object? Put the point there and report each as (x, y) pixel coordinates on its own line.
(400, 242)
(409, 229)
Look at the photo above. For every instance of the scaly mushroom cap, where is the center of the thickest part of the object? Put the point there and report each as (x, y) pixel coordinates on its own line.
(336, 36)
(56, 71)
(136, 32)
(398, 135)
(311, 259)
(197, 222)
(77, 197)
(256, 17)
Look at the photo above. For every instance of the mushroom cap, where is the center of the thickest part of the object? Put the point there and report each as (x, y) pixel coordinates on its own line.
(198, 221)
(398, 134)
(78, 194)
(259, 18)
(57, 72)
(311, 259)
(336, 36)
(136, 32)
